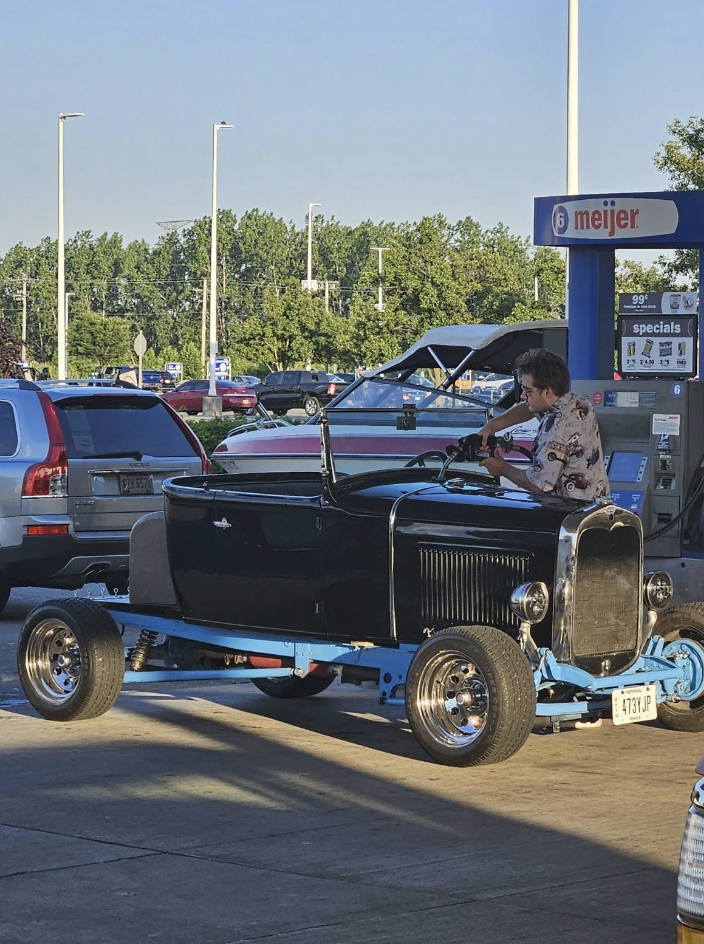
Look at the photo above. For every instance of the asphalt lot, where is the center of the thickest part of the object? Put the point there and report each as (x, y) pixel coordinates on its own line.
(206, 813)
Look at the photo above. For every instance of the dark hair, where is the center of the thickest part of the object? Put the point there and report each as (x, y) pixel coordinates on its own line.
(546, 368)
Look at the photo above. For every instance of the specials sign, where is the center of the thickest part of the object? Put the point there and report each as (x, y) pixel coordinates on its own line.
(661, 345)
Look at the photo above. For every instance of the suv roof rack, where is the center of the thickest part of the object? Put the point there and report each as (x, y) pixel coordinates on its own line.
(19, 382)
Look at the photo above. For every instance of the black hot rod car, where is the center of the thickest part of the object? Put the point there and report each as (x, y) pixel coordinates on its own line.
(479, 607)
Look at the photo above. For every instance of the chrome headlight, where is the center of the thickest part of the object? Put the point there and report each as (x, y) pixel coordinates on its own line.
(690, 881)
(530, 601)
(657, 590)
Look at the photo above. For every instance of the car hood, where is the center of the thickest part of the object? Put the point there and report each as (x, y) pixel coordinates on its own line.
(429, 504)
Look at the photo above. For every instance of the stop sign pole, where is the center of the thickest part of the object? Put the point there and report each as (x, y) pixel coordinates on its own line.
(140, 347)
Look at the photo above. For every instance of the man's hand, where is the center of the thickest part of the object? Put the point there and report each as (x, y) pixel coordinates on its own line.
(489, 429)
(495, 466)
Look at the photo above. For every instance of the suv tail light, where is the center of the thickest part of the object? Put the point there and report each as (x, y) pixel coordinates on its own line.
(205, 462)
(331, 390)
(50, 477)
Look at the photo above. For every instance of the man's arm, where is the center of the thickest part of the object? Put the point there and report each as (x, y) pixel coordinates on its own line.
(519, 413)
(500, 467)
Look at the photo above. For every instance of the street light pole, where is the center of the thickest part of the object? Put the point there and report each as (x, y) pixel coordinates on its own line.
(61, 276)
(310, 244)
(212, 388)
(572, 97)
(572, 122)
(380, 304)
(23, 298)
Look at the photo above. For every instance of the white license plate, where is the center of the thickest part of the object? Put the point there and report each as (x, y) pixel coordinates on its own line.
(634, 704)
(136, 485)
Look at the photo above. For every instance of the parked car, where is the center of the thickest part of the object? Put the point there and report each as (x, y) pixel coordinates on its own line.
(290, 389)
(245, 380)
(157, 380)
(493, 387)
(690, 881)
(188, 396)
(480, 608)
(79, 465)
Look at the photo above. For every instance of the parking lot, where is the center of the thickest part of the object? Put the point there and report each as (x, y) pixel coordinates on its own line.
(206, 812)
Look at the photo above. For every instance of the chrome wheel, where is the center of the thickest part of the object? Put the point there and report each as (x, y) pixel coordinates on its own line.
(453, 699)
(470, 696)
(70, 659)
(52, 661)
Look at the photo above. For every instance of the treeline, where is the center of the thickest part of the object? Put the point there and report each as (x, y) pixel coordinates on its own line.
(434, 272)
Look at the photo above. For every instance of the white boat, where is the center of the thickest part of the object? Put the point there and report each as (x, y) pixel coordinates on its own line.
(385, 414)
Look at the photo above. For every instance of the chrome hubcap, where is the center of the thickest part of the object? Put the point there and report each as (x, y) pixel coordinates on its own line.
(52, 661)
(453, 699)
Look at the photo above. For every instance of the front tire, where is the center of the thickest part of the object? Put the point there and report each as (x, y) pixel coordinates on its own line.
(292, 686)
(5, 590)
(470, 696)
(70, 660)
(311, 405)
(682, 628)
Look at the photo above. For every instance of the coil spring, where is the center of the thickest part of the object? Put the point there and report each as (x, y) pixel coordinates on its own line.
(140, 653)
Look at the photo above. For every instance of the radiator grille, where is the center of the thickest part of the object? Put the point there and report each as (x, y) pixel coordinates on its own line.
(607, 595)
(459, 586)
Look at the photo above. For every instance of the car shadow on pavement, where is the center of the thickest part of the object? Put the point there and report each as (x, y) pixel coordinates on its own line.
(191, 818)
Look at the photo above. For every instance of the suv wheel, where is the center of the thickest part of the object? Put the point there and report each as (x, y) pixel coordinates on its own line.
(5, 588)
(311, 405)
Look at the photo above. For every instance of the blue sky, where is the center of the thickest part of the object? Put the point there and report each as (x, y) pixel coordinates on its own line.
(378, 109)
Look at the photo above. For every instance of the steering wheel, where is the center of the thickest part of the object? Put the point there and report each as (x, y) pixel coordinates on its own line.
(421, 459)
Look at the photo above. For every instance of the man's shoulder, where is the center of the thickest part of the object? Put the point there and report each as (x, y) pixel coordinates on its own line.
(574, 405)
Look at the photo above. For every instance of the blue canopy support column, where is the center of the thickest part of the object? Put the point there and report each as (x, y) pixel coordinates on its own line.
(591, 312)
(700, 371)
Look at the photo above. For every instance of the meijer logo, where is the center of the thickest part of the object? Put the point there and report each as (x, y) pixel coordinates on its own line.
(617, 218)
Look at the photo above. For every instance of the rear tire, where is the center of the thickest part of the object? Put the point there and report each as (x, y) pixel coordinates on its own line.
(684, 624)
(70, 660)
(470, 696)
(311, 405)
(292, 686)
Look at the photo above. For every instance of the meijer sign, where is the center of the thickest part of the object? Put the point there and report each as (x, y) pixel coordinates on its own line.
(615, 218)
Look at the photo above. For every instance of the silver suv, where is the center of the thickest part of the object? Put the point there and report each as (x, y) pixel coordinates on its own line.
(78, 466)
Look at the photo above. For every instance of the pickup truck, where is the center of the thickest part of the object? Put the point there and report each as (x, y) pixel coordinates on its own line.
(291, 389)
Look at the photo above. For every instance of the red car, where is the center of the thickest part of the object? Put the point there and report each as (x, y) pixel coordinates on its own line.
(189, 395)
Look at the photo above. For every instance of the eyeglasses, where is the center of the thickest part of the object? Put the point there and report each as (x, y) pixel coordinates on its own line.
(527, 390)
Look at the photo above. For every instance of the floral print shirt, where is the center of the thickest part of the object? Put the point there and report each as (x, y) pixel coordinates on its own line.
(567, 456)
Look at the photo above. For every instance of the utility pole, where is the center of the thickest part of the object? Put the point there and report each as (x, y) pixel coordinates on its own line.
(309, 280)
(380, 303)
(203, 325)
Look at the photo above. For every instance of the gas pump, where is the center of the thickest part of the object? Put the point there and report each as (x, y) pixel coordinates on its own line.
(652, 433)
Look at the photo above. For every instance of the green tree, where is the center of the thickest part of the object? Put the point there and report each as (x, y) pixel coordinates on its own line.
(94, 341)
(10, 350)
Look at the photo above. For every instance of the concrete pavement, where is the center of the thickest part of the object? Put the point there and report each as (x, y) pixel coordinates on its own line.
(211, 814)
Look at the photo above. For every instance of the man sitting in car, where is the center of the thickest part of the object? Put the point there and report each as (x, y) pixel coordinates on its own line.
(567, 454)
